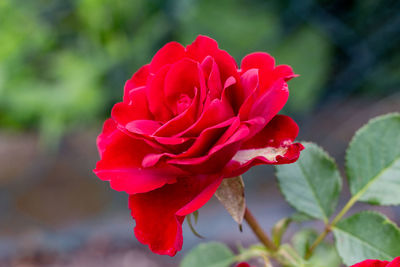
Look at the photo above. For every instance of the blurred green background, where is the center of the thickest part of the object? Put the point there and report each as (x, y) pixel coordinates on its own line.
(63, 64)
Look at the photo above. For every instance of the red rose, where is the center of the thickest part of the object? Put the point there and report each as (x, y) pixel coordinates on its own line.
(189, 119)
(378, 263)
(243, 264)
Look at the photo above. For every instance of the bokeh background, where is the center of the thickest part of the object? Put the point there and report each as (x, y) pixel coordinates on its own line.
(64, 63)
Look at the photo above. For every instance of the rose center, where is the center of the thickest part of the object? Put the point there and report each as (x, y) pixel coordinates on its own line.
(183, 103)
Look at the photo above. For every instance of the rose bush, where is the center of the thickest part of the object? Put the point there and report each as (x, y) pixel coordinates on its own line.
(189, 119)
(378, 263)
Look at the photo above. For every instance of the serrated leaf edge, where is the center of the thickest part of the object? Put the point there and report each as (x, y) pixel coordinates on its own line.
(360, 131)
(325, 154)
(386, 220)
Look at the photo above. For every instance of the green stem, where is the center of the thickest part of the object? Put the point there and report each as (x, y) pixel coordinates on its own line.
(280, 254)
(345, 209)
(329, 226)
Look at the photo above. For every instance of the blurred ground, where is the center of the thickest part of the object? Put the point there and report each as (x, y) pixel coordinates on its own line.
(64, 63)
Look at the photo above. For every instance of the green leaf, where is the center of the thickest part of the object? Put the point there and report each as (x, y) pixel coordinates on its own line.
(279, 229)
(231, 194)
(303, 239)
(300, 217)
(373, 161)
(367, 235)
(312, 184)
(212, 254)
(289, 257)
(325, 255)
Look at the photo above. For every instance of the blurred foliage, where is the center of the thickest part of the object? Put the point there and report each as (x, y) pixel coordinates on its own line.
(64, 63)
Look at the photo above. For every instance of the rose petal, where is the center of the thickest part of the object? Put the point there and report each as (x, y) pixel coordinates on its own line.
(374, 263)
(181, 80)
(121, 165)
(147, 127)
(159, 214)
(204, 46)
(273, 145)
(394, 263)
(216, 112)
(201, 145)
(257, 60)
(249, 81)
(211, 71)
(217, 157)
(180, 122)
(268, 77)
(202, 198)
(233, 92)
(137, 109)
(265, 106)
(168, 54)
(109, 129)
(138, 79)
(206, 140)
(250, 84)
(156, 97)
(284, 71)
(271, 102)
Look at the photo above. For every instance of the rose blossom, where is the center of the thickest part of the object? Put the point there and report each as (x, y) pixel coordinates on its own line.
(243, 264)
(189, 119)
(378, 263)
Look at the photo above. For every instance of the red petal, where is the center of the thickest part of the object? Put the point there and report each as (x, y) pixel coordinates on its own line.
(226, 65)
(138, 109)
(216, 158)
(156, 97)
(121, 164)
(138, 79)
(269, 77)
(180, 122)
(159, 214)
(279, 129)
(211, 71)
(109, 129)
(249, 81)
(204, 46)
(269, 104)
(233, 93)
(147, 127)
(206, 139)
(394, 263)
(284, 71)
(267, 73)
(200, 147)
(258, 60)
(374, 263)
(273, 145)
(182, 79)
(168, 54)
(265, 106)
(216, 112)
(250, 84)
